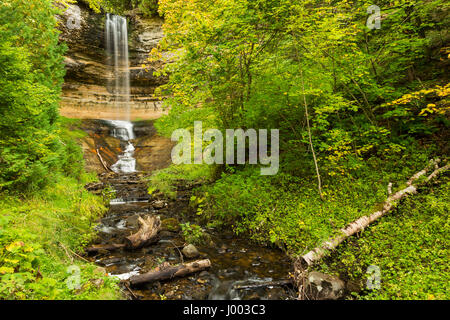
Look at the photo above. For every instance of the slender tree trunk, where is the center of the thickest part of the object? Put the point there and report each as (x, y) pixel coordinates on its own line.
(319, 180)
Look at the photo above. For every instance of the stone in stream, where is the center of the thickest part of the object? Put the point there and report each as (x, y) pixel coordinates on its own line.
(159, 204)
(320, 286)
(190, 251)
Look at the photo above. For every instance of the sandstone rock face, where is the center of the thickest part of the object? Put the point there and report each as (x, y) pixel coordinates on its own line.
(85, 92)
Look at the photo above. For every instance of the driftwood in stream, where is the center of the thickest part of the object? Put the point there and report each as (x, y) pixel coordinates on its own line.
(301, 264)
(147, 234)
(170, 272)
(104, 247)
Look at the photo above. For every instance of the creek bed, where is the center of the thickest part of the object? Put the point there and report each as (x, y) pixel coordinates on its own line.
(235, 262)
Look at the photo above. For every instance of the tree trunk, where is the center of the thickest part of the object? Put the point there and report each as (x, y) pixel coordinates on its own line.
(147, 234)
(104, 247)
(301, 264)
(171, 272)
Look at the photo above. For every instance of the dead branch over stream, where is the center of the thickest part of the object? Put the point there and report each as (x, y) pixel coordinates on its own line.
(170, 272)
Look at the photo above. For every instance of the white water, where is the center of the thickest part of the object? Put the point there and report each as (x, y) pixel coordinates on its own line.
(116, 34)
(123, 130)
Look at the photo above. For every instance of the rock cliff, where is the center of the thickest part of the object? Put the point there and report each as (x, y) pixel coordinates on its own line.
(85, 92)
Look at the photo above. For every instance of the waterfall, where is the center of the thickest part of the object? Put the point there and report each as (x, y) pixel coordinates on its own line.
(117, 58)
(116, 35)
(123, 130)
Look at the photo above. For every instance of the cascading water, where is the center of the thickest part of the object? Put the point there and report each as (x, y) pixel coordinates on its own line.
(117, 57)
(123, 130)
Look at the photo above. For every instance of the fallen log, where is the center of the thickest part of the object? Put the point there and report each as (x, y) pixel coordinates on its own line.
(170, 272)
(147, 234)
(105, 247)
(304, 262)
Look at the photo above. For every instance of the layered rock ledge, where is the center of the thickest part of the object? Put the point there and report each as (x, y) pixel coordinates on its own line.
(85, 91)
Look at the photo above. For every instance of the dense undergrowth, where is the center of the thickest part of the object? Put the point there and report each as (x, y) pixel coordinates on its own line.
(410, 247)
(373, 103)
(39, 238)
(42, 233)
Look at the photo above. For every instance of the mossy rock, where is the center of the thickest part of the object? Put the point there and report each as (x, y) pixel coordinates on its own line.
(170, 224)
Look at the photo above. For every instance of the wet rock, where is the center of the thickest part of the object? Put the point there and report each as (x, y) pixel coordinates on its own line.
(84, 91)
(190, 251)
(320, 286)
(132, 221)
(170, 224)
(165, 235)
(103, 252)
(159, 204)
(203, 274)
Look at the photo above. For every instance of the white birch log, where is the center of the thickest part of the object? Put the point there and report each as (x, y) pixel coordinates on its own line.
(359, 225)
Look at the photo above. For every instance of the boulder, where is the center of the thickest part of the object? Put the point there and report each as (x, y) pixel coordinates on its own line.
(190, 251)
(320, 286)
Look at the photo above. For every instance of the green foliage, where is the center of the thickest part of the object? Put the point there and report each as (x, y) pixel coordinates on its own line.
(192, 233)
(167, 180)
(410, 246)
(38, 238)
(287, 211)
(244, 63)
(147, 7)
(31, 74)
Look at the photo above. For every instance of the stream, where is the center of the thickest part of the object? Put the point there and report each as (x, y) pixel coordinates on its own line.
(235, 262)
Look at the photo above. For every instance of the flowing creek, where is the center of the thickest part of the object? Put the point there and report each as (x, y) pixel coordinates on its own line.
(235, 262)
